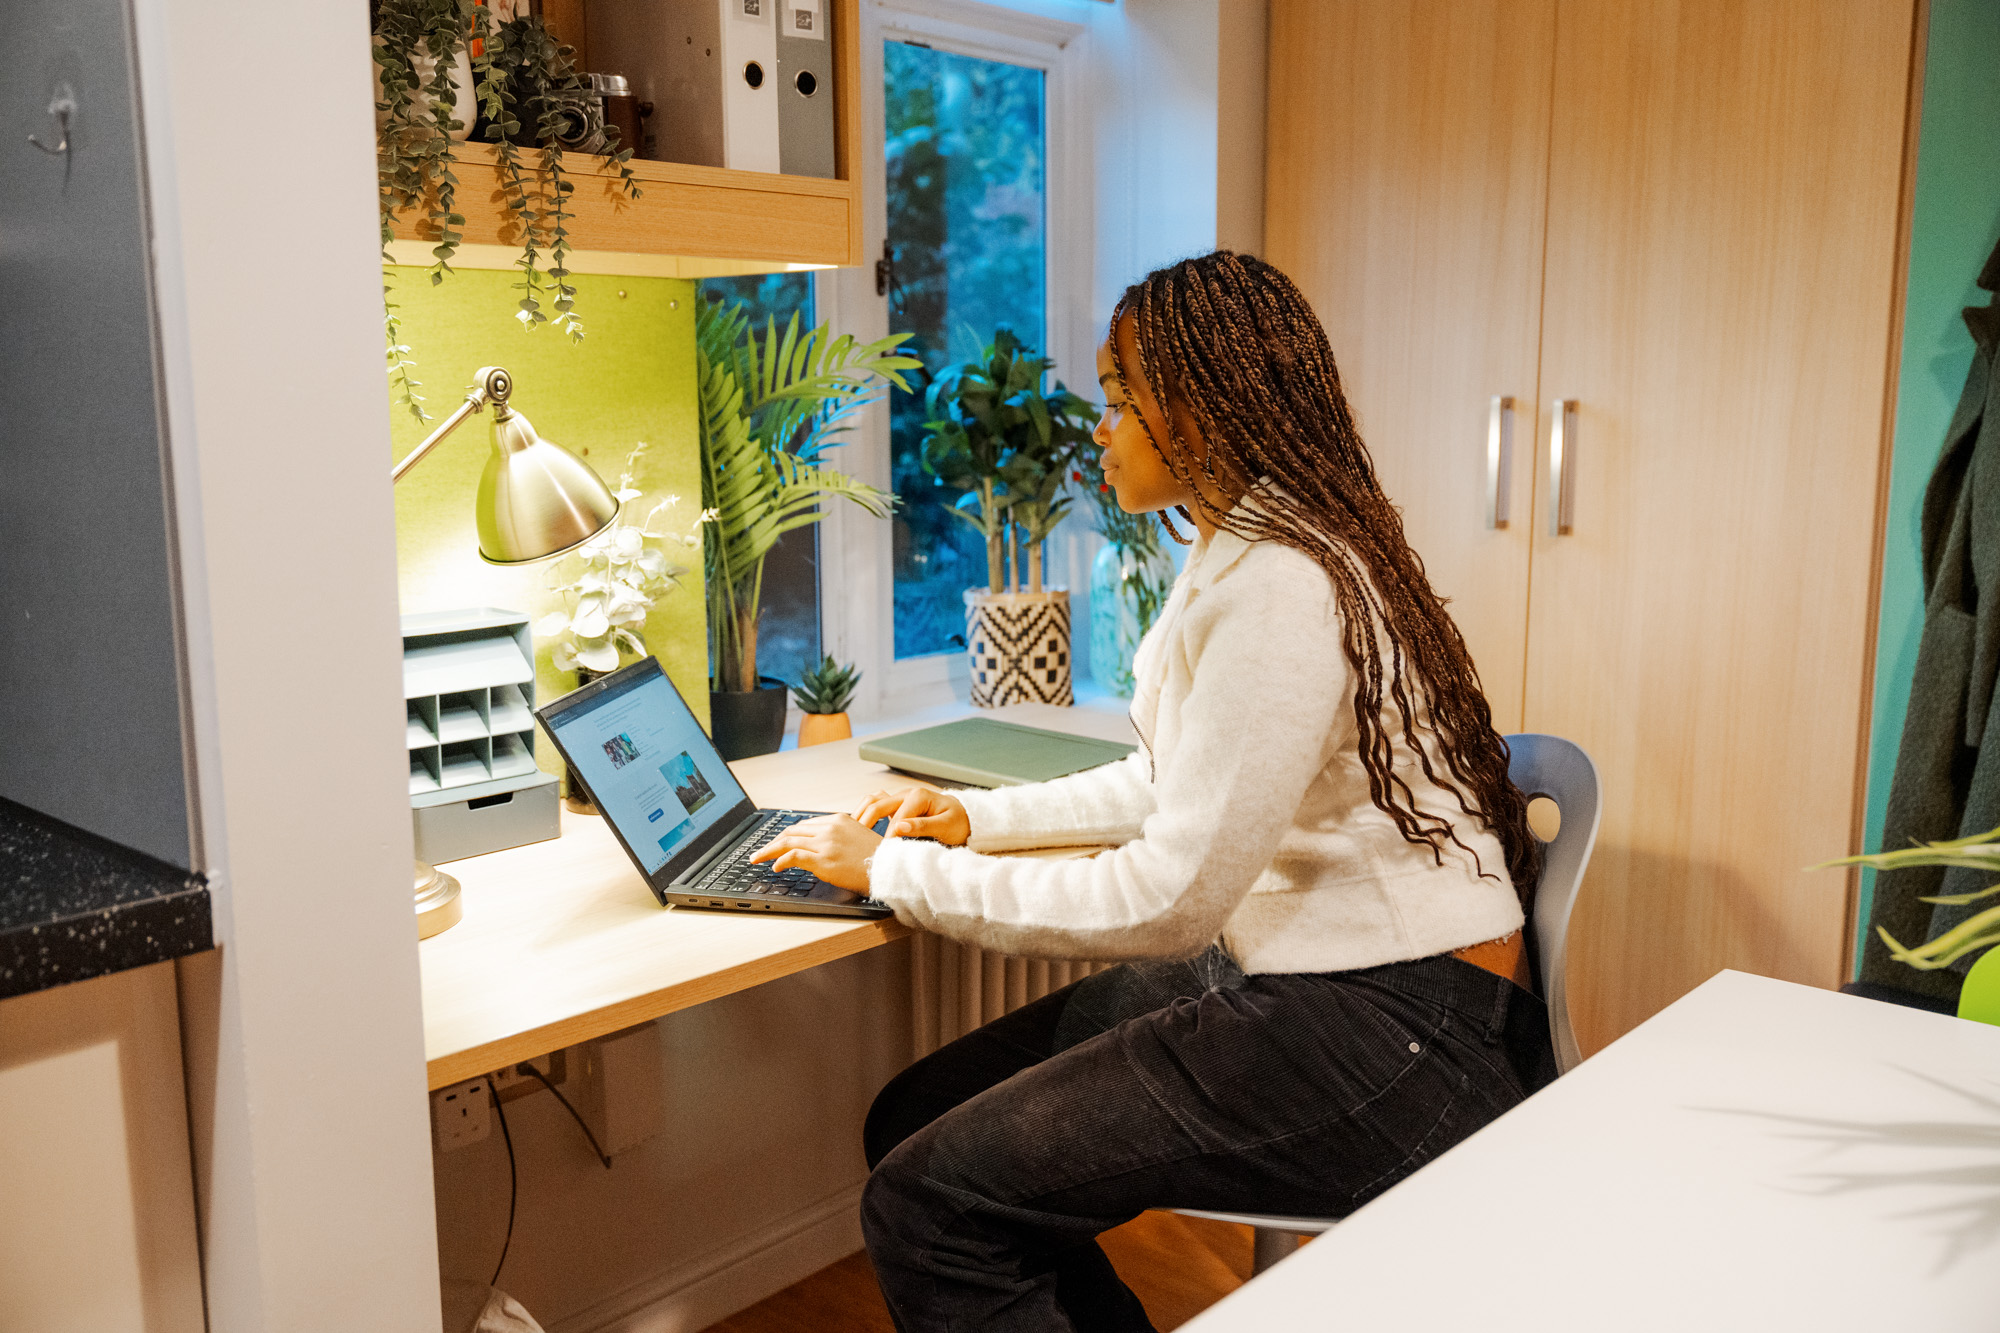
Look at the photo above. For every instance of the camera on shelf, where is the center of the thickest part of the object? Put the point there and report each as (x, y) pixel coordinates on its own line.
(578, 119)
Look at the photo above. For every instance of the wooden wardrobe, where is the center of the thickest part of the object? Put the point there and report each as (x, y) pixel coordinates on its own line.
(1683, 219)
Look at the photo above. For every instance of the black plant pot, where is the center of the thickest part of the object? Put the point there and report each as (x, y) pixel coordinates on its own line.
(750, 723)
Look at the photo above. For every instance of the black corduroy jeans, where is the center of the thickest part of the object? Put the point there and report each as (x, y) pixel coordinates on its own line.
(998, 1159)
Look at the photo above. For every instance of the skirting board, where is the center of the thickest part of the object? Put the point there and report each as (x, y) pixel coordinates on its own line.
(713, 1286)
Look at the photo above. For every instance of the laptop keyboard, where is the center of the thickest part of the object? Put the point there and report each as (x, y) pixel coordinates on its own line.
(738, 875)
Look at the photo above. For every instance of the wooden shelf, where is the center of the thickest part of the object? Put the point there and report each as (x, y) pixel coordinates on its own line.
(689, 221)
(692, 218)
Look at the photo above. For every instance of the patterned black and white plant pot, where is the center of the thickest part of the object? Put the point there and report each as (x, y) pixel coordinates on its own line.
(1019, 646)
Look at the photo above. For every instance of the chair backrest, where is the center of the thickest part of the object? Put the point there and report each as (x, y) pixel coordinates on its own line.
(1558, 769)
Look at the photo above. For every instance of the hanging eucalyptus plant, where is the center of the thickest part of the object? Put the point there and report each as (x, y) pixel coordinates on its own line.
(524, 85)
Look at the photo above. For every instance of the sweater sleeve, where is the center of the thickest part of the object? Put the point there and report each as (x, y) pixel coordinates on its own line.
(1098, 807)
(1262, 717)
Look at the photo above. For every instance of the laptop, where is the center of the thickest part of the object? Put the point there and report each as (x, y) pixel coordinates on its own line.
(674, 806)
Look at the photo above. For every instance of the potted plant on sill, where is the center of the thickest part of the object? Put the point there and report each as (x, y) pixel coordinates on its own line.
(823, 693)
(1008, 444)
(770, 408)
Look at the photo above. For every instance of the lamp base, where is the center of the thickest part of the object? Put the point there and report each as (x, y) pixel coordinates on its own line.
(438, 906)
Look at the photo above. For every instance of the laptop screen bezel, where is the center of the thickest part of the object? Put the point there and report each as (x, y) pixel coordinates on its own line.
(697, 847)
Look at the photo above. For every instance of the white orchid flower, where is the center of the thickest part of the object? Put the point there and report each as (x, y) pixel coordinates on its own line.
(598, 654)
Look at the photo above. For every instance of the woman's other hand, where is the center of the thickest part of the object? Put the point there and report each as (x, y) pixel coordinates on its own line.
(832, 847)
(918, 812)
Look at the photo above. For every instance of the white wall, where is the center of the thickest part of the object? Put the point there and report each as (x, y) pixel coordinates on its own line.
(303, 1031)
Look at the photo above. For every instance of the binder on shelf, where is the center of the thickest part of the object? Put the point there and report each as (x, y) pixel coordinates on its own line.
(708, 67)
(805, 88)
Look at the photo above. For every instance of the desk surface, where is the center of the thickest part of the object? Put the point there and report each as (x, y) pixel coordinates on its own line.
(1759, 1155)
(562, 941)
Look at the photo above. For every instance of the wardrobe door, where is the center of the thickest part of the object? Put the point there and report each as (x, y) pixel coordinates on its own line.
(1408, 141)
(1724, 196)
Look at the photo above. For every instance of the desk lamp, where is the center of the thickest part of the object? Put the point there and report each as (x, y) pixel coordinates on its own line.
(536, 501)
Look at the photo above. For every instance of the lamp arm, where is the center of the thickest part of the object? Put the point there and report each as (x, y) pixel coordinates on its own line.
(494, 386)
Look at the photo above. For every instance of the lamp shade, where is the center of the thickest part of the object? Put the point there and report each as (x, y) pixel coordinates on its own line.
(536, 499)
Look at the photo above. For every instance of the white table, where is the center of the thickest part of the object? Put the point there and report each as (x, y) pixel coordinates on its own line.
(1759, 1156)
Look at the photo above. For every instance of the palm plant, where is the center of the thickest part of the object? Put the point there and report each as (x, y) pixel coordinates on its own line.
(1981, 851)
(996, 435)
(770, 408)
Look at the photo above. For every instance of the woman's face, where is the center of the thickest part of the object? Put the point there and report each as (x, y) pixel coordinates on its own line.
(1143, 481)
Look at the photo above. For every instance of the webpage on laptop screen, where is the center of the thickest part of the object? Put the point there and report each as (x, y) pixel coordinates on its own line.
(652, 771)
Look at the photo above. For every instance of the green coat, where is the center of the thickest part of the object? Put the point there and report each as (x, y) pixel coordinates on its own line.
(1947, 782)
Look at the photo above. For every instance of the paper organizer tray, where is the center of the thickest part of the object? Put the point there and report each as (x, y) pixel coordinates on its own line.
(469, 689)
(469, 736)
(469, 696)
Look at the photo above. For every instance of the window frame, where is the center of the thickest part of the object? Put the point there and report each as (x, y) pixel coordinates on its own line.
(857, 569)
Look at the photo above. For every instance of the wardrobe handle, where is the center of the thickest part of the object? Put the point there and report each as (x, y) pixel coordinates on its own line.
(1499, 461)
(1562, 466)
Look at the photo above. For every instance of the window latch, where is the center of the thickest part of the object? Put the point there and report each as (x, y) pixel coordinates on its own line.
(885, 278)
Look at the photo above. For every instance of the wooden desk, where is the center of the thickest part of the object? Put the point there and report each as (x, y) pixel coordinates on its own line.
(562, 941)
(1759, 1155)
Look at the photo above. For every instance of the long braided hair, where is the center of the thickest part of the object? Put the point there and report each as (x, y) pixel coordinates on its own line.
(1229, 344)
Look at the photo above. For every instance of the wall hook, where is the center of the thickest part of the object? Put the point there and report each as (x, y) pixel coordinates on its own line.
(62, 106)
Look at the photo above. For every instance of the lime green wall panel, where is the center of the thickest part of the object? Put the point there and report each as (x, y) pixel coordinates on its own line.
(1952, 230)
(630, 380)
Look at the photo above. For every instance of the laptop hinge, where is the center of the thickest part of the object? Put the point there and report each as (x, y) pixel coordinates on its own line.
(726, 843)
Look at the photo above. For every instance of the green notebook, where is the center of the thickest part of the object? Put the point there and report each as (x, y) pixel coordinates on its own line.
(984, 752)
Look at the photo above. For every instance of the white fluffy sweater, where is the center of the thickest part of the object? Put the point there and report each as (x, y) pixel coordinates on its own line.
(1245, 814)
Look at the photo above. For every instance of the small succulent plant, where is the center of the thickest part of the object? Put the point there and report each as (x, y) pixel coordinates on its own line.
(826, 688)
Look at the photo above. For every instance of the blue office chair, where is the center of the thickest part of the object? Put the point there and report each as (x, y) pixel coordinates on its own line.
(1540, 766)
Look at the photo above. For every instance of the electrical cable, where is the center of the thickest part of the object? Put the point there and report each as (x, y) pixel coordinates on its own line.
(581, 1124)
(513, 1181)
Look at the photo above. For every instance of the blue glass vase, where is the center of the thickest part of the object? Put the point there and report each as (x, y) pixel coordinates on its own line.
(1128, 587)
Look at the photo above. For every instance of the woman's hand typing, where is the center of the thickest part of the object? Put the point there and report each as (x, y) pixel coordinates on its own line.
(918, 812)
(832, 847)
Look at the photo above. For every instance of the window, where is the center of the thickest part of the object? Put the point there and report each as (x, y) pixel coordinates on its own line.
(965, 150)
(982, 189)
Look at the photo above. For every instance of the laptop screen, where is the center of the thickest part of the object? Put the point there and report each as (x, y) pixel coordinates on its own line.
(653, 772)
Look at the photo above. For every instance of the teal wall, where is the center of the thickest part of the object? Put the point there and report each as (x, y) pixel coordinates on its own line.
(1953, 229)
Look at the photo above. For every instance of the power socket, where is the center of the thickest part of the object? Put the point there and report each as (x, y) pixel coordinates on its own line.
(511, 1082)
(461, 1114)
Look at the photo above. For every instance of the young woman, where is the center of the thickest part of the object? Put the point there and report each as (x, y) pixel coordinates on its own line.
(1316, 850)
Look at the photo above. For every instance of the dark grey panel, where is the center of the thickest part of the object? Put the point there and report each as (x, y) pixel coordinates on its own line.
(90, 708)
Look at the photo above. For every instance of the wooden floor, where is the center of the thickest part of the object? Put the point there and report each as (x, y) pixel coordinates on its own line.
(1179, 1266)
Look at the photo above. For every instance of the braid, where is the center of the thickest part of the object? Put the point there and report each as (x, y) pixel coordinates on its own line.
(1231, 342)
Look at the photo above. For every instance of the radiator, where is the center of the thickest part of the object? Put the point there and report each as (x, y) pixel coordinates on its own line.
(955, 988)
